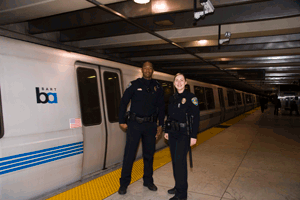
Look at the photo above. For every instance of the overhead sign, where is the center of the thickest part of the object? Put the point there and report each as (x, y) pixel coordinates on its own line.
(253, 74)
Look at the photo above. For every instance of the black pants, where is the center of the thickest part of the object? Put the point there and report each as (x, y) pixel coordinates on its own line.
(179, 146)
(262, 107)
(145, 131)
(276, 111)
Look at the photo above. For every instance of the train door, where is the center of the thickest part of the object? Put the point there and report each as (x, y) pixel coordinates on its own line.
(222, 104)
(244, 102)
(93, 119)
(116, 138)
(235, 104)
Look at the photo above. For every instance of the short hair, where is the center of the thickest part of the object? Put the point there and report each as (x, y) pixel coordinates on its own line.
(178, 74)
(147, 62)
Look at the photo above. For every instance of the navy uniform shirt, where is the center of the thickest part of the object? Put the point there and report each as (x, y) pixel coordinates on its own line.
(147, 97)
(180, 104)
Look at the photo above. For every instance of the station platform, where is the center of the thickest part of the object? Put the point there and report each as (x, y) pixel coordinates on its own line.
(255, 156)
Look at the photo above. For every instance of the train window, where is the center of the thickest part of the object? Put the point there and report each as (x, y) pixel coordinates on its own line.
(199, 93)
(187, 87)
(248, 99)
(209, 94)
(168, 91)
(113, 95)
(1, 118)
(89, 96)
(230, 95)
(239, 99)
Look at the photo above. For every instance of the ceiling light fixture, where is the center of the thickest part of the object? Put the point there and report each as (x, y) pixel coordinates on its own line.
(202, 42)
(141, 1)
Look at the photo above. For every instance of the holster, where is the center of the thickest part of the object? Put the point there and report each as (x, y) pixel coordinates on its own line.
(174, 126)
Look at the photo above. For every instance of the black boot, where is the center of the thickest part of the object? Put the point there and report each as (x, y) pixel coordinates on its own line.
(172, 191)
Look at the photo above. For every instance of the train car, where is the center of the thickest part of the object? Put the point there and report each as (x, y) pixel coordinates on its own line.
(59, 115)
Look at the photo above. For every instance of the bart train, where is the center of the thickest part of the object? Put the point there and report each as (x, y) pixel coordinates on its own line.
(59, 115)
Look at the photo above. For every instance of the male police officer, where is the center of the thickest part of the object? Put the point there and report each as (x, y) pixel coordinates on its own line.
(147, 104)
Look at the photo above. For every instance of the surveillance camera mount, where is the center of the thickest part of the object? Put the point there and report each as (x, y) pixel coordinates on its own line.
(207, 8)
(222, 41)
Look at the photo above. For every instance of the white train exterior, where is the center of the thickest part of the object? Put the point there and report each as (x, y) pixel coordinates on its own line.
(59, 115)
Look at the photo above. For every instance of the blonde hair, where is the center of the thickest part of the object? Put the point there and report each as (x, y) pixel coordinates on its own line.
(178, 74)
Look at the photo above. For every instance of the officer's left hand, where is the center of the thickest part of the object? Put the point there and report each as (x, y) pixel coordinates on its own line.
(159, 131)
(193, 141)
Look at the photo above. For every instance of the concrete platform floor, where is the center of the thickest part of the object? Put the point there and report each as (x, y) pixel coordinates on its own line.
(257, 158)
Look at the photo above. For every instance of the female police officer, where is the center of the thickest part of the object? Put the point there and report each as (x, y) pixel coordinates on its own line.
(183, 105)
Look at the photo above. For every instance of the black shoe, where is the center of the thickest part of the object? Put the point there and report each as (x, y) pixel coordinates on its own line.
(177, 198)
(172, 191)
(151, 186)
(122, 190)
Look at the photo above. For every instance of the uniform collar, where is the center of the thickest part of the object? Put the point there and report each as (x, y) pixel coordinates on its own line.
(146, 82)
(183, 94)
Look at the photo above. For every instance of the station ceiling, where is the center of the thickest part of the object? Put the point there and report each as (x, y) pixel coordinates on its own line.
(263, 51)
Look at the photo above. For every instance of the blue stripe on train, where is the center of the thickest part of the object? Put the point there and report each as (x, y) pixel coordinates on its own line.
(35, 158)
(39, 151)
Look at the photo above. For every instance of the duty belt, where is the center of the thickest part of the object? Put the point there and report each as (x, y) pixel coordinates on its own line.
(175, 126)
(140, 120)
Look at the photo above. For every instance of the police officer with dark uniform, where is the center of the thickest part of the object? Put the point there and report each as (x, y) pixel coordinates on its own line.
(181, 130)
(147, 105)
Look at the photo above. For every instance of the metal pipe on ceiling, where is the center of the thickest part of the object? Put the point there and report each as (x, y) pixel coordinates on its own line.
(95, 2)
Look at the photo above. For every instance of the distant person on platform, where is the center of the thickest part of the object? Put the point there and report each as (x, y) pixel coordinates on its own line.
(277, 105)
(294, 107)
(262, 104)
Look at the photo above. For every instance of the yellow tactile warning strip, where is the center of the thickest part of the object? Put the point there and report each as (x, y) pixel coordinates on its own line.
(108, 184)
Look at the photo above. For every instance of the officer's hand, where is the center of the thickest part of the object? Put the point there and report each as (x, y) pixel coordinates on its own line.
(193, 141)
(159, 131)
(123, 127)
(167, 136)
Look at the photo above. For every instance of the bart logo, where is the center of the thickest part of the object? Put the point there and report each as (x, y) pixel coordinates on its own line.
(43, 97)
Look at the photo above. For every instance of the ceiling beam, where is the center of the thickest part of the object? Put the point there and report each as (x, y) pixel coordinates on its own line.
(208, 56)
(47, 43)
(225, 48)
(237, 41)
(146, 12)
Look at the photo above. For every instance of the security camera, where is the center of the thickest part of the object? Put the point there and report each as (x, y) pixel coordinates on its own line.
(228, 35)
(207, 8)
(221, 41)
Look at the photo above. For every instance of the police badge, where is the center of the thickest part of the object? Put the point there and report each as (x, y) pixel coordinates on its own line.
(183, 100)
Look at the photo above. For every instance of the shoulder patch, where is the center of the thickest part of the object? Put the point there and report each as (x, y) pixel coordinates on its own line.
(129, 85)
(195, 101)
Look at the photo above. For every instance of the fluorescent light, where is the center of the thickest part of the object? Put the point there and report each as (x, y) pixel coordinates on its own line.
(202, 42)
(141, 1)
(160, 6)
